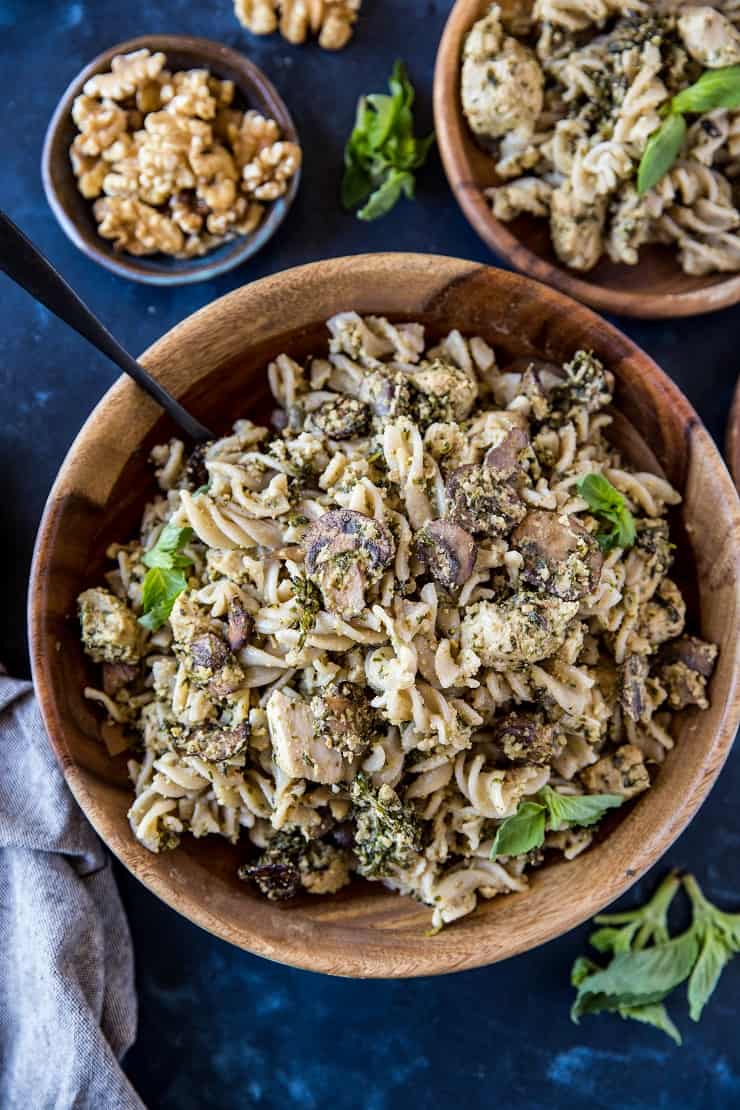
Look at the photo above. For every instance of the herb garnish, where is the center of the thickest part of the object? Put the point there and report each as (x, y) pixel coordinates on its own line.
(609, 505)
(165, 580)
(382, 152)
(716, 88)
(647, 963)
(548, 811)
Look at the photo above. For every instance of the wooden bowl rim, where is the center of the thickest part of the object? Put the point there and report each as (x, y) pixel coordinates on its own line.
(254, 84)
(375, 959)
(452, 131)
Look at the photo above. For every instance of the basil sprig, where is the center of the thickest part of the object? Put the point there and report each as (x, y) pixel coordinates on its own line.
(548, 811)
(607, 503)
(716, 88)
(647, 963)
(165, 579)
(382, 152)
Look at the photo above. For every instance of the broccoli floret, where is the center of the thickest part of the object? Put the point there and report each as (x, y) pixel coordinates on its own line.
(387, 834)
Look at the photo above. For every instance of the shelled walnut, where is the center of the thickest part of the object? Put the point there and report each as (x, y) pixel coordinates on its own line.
(173, 167)
(330, 20)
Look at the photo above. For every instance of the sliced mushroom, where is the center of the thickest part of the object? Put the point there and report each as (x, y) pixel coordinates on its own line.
(482, 500)
(341, 418)
(387, 392)
(277, 881)
(633, 692)
(684, 666)
(196, 472)
(447, 551)
(508, 456)
(526, 738)
(343, 718)
(240, 625)
(116, 676)
(560, 556)
(213, 742)
(345, 552)
(208, 653)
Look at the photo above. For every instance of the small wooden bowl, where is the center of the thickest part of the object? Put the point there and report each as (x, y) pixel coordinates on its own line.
(655, 287)
(214, 363)
(74, 212)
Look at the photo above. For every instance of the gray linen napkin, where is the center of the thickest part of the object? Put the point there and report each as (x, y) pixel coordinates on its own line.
(67, 998)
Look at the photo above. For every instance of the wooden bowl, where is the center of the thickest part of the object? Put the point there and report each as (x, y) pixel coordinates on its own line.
(655, 287)
(74, 212)
(732, 450)
(214, 363)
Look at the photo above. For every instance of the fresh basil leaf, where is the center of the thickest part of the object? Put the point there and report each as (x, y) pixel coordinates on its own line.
(578, 809)
(608, 504)
(640, 927)
(520, 833)
(160, 591)
(633, 978)
(165, 551)
(581, 969)
(716, 88)
(656, 1015)
(609, 939)
(387, 195)
(709, 916)
(357, 184)
(713, 956)
(661, 152)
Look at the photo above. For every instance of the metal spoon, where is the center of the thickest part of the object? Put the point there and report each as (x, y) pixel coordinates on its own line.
(26, 265)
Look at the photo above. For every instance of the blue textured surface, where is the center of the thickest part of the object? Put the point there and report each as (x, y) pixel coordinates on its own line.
(220, 1028)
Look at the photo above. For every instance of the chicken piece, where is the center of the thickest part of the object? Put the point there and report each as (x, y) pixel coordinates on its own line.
(633, 692)
(291, 864)
(525, 738)
(341, 418)
(299, 752)
(343, 718)
(445, 392)
(709, 36)
(484, 500)
(447, 551)
(213, 742)
(346, 552)
(501, 83)
(560, 557)
(662, 618)
(653, 539)
(387, 392)
(586, 384)
(622, 772)
(576, 228)
(524, 628)
(684, 666)
(110, 631)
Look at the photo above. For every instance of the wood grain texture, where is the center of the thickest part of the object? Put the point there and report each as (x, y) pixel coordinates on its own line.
(214, 363)
(732, 449)
(655, 287)
(74, 212)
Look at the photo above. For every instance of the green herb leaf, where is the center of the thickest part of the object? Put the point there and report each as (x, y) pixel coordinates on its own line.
(645, 925)
(161, 589)
(661, 152)
(520, 833)
(716, 88)
(578, 809)
(655, 1015)
(581, 969)
(382, 152)
(641, 978)
(713, 956)
(608, 504)
(165, 551)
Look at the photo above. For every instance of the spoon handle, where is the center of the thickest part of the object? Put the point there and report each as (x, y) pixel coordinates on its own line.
(27, 266)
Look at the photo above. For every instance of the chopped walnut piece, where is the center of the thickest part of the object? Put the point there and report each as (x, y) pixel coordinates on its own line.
(266, 177)
(182, 171)
(622, 772)
(258, 16)
(331, 20)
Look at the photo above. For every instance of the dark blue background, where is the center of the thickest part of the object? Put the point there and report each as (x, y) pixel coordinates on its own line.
(218, 1027)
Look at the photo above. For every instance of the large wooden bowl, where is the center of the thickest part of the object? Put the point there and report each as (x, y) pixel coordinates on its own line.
(214, 363)
(656, 287)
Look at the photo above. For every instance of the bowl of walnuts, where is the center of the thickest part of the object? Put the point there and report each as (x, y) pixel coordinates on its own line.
(170, 159)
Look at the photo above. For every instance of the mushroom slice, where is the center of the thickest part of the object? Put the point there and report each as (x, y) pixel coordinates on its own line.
(447, 551)
(299, 753)
(196, 472)
(508, 456)
(560, 556)
(214, 742)
(684, 667)
(387, 392)
(483, 500)
(340, 418)
(213, 665)
(622, 772)
(525, 738)
(240, 625)
(346, 552)
(118, 675)
(633, 692)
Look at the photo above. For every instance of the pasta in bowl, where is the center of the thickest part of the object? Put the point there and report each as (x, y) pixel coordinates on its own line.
(359, 636)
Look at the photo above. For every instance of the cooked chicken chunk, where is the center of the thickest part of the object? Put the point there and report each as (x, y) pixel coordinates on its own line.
(622, 772)
(560, 557)
(502, 83)
(662, 618)
(526, 738)
(213, 742)
(343, 718)
(483, 501)
(110, 632)
(446, 392)
(576, 228)
(709, 36)
(524, 628)
(684, 667)
(299, 752)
